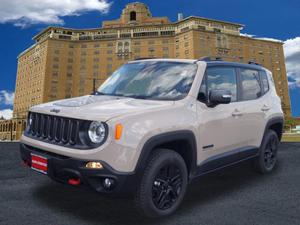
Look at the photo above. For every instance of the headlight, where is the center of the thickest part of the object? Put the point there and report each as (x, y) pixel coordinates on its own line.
(97, 132)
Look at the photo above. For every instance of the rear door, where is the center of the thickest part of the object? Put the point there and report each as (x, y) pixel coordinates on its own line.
(253, 107)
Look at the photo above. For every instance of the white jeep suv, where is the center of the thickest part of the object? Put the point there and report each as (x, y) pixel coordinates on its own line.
(155, 125)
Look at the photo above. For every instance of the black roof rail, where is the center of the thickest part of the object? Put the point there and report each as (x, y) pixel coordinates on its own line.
(144, 58)
(208, 58)
(205, 58)
(254, 63)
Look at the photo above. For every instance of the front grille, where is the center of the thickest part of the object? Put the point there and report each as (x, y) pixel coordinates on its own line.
(56, 130)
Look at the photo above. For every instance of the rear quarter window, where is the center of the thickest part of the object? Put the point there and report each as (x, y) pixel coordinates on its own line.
(264, 81)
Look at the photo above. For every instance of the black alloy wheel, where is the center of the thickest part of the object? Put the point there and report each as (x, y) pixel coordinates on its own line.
(266, 161)
(270, 153)
(166, 187)
(163, 184)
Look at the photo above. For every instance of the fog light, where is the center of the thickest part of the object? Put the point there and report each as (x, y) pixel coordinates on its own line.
(94, 165)
(108, 183)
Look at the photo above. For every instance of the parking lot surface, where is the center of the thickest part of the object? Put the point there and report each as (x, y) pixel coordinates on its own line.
(236, 195)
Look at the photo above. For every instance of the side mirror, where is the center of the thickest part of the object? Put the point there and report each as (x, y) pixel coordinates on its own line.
(219, 97)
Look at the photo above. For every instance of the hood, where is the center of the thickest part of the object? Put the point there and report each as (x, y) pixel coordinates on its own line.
(99, 107)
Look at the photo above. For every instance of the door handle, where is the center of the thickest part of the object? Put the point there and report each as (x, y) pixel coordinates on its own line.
(236, 112)
(265, 108)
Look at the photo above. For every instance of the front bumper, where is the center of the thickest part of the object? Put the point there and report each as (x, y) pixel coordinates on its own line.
(63, 168)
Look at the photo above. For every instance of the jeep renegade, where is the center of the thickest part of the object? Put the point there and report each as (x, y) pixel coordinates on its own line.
(155, 125)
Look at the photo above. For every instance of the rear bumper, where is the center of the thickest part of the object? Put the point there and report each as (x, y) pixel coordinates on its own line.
(62, 169)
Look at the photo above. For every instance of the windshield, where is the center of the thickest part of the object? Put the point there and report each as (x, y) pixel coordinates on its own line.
(150, 80)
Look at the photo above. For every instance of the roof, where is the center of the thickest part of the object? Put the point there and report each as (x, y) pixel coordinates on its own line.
(163, 60)
(210, 62)
(171, 23)
(234, 64)
(213, 20)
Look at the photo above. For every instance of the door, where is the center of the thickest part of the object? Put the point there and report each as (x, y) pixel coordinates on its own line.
(220, 127)
(253, 106)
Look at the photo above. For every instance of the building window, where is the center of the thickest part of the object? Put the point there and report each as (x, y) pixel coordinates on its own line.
(132, 16)
(120, 46)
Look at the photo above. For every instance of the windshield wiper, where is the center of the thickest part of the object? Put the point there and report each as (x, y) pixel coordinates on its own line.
(109, 94)
(137, 96)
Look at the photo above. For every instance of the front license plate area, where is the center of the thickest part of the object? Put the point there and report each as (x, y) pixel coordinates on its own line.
(39, 163)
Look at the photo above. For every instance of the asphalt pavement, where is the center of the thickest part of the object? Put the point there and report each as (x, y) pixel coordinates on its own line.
(236, 195)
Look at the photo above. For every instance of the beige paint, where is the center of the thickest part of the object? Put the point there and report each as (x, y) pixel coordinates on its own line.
(143, 119)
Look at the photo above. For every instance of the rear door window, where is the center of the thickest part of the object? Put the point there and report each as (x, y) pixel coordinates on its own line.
(250, 84)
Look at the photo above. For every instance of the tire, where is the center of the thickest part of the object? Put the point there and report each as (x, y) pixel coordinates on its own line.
(163, 184)
(266, 161)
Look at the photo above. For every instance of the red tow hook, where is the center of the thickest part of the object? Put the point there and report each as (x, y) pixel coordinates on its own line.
(74, 181)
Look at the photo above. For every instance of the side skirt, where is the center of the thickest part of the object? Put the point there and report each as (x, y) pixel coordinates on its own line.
(224, 160)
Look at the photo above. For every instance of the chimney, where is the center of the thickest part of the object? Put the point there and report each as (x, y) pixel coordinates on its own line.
(180, 16)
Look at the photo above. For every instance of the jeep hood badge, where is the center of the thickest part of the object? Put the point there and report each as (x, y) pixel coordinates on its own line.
(55, 110)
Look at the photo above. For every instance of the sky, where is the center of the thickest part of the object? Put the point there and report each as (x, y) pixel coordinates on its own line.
(20, 20)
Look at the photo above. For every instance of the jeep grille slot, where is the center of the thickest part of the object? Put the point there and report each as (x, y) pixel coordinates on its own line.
(55, 129)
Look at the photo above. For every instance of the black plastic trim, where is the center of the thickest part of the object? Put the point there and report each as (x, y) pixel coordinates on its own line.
(273, 121)
(234, 64)
(164, 138)
(226, 159)
(62, 168)
(81, 139)
(208, 146)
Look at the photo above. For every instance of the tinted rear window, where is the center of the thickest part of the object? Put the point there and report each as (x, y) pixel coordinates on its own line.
(265, 83)
(250, 84)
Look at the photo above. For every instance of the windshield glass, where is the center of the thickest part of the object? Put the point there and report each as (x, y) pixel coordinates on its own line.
(151, 80)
